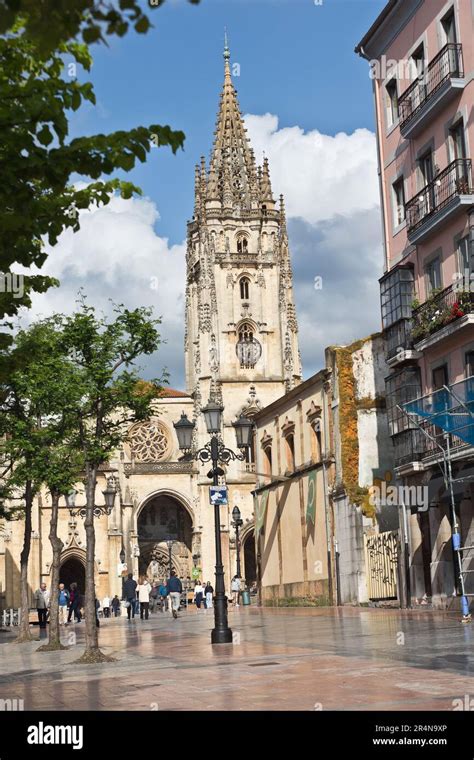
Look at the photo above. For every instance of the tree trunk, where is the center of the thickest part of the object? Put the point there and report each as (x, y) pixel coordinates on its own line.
(92, 652)
(57, 547)
(24, 633)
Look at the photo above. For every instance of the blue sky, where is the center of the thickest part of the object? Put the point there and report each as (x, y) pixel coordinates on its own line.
(296, 60)
(307, 101)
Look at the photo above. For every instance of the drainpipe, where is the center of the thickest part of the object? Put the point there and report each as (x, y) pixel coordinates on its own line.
(330, 537)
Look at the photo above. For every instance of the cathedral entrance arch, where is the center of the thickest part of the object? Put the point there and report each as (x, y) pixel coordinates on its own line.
(73, 570)
(161, 518)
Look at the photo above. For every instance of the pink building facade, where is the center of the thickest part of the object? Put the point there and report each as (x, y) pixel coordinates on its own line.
(421, 61)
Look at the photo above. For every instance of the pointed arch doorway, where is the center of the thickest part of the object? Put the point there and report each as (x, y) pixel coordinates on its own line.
(164, 517)
(72, 570)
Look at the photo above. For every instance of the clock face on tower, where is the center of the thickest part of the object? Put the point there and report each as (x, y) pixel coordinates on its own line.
(249, 351)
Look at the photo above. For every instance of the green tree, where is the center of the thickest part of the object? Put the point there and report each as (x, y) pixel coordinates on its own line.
(50, 22)
(49, 384)
(38, 200)
(111, 397)
(21, 449)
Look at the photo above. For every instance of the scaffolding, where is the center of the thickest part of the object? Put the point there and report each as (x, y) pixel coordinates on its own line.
(446, 419)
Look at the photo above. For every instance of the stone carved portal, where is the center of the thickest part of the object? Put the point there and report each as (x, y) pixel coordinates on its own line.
(163, 518)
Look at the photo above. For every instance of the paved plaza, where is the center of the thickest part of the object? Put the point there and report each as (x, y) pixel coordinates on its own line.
(281, 659)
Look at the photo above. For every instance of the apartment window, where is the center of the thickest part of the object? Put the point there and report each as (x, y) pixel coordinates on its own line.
(449, 27)
(396, 295)
(418, 62)
(392, 102)
(465, 254)
(469, 363)
(398, 202)
(457, 140)
(440, 377)
(244, 288)
(425, 164)
(433, 275)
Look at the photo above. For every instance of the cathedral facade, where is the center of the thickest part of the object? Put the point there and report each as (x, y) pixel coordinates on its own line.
(241, 349)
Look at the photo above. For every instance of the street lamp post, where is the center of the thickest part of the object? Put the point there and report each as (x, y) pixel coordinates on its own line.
(215, 452)
(169, 544)
(237, 523)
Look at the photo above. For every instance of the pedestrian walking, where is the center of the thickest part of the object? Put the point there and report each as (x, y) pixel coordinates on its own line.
(235, 589)
(74, 603)
(163, 591)
(174, 587)
(154, 597)
(42, 604)
(130, 595)
(209, 593)
(97, 608)
(115, 606)
(106, 606)
(63, 598)
(198, 594)
(144, 590)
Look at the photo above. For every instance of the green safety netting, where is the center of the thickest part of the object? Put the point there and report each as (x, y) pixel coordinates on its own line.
(451, 409)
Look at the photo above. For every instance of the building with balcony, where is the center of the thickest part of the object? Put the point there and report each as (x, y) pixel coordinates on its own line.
(421, 55)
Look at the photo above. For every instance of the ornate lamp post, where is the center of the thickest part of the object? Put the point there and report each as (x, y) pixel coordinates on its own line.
(169, 544)
(109, 499)
(215, 452)
(237, 523)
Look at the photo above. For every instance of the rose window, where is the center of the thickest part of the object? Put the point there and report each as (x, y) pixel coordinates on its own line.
(148, 441)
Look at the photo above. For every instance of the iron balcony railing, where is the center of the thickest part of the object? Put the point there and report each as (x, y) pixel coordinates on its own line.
(447, 64)
(414, 445)
(443, 308)
(454, 180)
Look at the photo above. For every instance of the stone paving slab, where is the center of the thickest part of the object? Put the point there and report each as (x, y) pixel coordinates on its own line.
(281, 659)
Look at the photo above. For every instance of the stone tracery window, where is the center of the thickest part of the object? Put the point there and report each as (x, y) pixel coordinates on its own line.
(244, 288)
(249, 350)
(242, 245)
(148, 441)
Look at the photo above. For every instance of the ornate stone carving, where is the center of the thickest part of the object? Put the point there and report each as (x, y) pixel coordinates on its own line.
(149, 441)
(145, 468)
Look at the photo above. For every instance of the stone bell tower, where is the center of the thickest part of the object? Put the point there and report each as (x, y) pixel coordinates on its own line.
(241, 337)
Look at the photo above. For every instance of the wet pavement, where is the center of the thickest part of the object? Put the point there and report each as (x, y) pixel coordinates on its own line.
(281, 659)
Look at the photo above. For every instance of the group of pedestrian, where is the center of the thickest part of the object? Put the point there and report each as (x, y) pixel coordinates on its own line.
(70, 603)
(203, 594)
(139, 597)
(145, 596)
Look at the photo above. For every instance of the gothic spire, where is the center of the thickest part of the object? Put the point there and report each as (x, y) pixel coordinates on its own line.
(265, 184)
(231, 154)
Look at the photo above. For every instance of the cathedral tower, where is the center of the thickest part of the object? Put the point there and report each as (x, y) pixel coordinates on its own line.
(241, 337)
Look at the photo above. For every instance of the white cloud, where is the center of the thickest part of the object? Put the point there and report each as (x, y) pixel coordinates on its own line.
(320, 176)
(117, 255)
(331, 193)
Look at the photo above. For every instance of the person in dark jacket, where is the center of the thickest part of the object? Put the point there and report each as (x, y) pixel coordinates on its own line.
(115, 605)
(175, 588)
(74, 603)
(130, 595)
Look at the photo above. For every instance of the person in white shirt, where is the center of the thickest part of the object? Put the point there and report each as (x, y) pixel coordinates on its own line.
(144, 589)
(198, 594)
(106, 606)
(235, 588)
